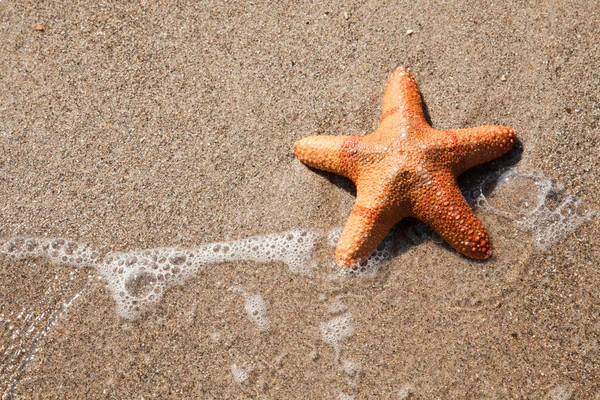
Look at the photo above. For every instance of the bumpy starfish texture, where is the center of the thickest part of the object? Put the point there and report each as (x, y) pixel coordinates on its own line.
(406, 168)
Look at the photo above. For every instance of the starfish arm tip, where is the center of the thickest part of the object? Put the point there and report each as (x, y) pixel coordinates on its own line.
(478, 253)
(443, 207)
(401, 70)
(475, 146)
(298, 146)
(402, 100)
(476, 246)
(367, 225)
(305, 149)
(328, 153)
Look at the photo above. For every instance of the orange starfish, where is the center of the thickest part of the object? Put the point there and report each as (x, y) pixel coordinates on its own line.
(406, 168)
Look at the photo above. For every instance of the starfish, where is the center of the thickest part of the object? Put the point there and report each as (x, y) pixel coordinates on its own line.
(406, 168)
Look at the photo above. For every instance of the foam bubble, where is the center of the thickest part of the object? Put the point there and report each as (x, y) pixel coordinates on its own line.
(215, 336)
(406, 392)
(345, 396)
(57, 250)
(257, 312)
(535, 203)
(240, 374)
(559, 393)
(334, 235)
(256, 309)
(353, 373)
(351, 368)
(335, 307)
(336, 330)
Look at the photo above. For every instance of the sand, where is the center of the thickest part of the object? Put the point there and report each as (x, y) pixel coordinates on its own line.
(138, 125)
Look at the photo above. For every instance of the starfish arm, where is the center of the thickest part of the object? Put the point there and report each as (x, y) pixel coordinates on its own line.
(370, 220)
(443, 207)
(329, 153)
(474, 146)
(402, 104)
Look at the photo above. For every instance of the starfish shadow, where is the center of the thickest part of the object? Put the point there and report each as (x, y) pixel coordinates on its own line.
(476, 175)
(337, 180)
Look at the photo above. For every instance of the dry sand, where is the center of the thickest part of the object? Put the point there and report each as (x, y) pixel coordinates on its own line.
(143, 124)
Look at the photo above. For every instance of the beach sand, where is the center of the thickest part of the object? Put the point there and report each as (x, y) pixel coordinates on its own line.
(141, 125)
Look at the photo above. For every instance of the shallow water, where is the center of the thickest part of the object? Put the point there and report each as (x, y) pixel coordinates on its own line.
(527, 201)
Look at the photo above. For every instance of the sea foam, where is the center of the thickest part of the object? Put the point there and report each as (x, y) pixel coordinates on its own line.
(137, 279)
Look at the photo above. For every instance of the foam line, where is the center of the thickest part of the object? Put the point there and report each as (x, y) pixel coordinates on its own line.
(137, 279)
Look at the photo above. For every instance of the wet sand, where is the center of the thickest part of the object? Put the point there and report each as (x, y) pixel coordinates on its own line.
(153, 124)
